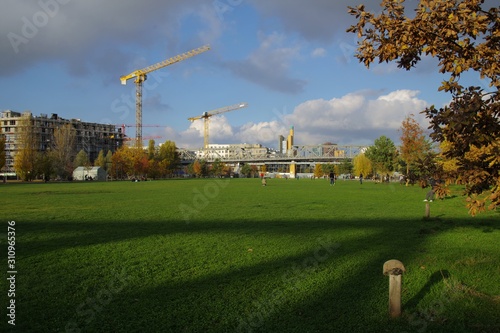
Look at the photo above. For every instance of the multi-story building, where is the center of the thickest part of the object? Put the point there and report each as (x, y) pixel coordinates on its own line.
(232, 151)
(91, 137)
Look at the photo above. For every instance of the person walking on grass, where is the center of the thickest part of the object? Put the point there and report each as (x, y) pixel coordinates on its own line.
(332, 178)
(361, 178)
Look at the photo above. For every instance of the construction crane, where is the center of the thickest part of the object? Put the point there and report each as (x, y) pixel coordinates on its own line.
(208, 114)
(123, 126)
(140, 76)
(149, 137)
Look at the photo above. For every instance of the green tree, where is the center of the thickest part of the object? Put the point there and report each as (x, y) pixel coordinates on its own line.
(168, 152)
(100, 161)
(246, 170)
(326, 168)
(151, 149)
(217, 168)
(45, 165)
(383, 155)
(108, 160)
(463, 36)
(81, 159)
(345, 167)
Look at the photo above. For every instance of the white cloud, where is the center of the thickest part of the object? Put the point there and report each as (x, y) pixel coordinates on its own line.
(355, 118)
(219, 131)
(318, 52)
(262, 132)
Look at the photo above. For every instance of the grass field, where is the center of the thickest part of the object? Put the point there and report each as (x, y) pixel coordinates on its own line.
(233, 256)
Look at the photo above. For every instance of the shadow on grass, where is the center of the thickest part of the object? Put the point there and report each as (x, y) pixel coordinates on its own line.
(435, 278)
(330, 281)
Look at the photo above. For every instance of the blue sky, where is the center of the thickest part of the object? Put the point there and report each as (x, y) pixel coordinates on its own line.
(291, 61)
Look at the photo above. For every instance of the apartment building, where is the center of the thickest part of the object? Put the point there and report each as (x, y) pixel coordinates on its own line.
(91, 137)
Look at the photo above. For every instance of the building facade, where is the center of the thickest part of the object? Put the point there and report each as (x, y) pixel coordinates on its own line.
(90, 137)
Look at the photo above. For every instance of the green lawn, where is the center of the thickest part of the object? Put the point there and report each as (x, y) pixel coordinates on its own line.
(233, 256)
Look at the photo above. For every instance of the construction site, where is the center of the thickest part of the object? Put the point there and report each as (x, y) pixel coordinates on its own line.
(94, 137)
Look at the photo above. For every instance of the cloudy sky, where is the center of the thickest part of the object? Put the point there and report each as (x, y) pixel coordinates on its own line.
(291, 61)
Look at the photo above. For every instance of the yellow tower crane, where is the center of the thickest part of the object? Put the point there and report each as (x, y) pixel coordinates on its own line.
(208, 114)
(140, 76)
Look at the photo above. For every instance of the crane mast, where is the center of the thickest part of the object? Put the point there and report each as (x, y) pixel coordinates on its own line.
(206, 115)
(140, 76)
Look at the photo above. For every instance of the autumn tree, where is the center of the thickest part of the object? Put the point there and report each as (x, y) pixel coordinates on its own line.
(254, 170)
(464, 37)
(318, 171)
(141, 165)
(120, 163)
(26, 156)
(2, 152)
(197, 168)
(414, 144)
(137, 161)
(383, 155)
(154, 169)
(168, 153)
(449, 165)
(362, 165)
(63, 150)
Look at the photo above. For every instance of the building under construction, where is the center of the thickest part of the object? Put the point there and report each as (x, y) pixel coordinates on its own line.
(90, 137)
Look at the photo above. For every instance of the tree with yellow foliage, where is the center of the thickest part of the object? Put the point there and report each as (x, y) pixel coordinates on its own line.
(464, 37)
(362, 165)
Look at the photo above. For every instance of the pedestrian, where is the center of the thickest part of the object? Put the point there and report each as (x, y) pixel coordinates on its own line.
(332, 178)
(361, 178)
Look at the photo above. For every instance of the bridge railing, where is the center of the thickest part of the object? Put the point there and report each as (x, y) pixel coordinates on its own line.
(319, 153)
